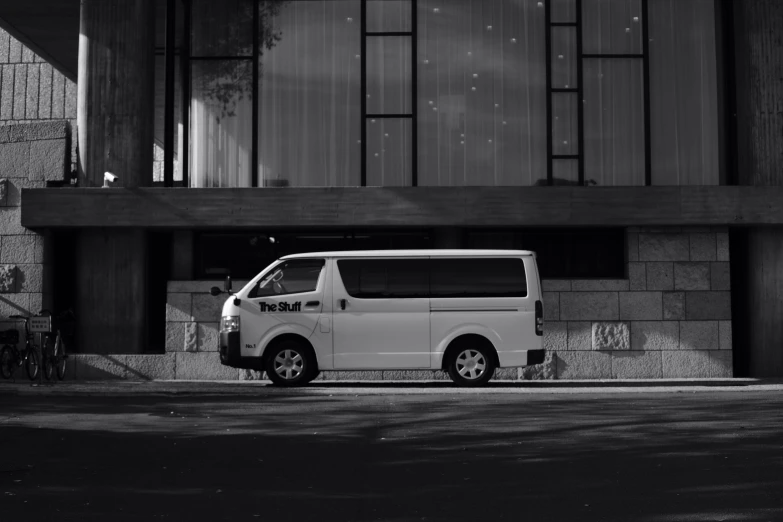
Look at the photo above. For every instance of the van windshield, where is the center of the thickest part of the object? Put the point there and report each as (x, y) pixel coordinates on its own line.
(290, 277)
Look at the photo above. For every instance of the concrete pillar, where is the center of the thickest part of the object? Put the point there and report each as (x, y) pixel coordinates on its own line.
(758, 303)
(115, 127)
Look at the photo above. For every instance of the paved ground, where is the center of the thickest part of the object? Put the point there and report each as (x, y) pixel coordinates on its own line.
(216, 451)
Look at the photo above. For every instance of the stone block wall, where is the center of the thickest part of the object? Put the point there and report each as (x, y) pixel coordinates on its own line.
(671, 318)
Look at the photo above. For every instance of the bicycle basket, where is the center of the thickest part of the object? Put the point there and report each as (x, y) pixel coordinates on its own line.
(9, 337)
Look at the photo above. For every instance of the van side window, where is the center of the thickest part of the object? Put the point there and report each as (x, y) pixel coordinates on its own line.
(478, 277)
(385, 278)
(290, 277)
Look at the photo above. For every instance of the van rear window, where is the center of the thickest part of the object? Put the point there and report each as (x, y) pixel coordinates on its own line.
(437, 278)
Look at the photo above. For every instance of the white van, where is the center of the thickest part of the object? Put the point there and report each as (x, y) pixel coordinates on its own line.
(463, 311)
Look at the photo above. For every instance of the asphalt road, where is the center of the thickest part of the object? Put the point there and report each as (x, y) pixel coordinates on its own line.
(341, 453)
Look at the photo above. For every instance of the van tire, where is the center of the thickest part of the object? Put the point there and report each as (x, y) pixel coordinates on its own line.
(471, 365)
(290, 363)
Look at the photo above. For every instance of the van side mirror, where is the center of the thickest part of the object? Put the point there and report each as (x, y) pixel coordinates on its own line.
(215, 291)
(227, 285)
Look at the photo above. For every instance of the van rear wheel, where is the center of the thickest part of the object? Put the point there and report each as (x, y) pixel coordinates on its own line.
(471, 366)
(289, 364)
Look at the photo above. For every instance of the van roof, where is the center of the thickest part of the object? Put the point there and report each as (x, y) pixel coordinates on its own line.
(414, 253)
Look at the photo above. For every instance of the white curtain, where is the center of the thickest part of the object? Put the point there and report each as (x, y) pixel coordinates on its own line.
(482, 92)
(310, 88)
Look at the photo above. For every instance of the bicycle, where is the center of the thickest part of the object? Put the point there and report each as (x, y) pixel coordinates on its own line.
(54, 352)
(12, 358)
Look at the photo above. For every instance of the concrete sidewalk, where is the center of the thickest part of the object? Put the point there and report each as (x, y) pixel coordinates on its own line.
(359, 387)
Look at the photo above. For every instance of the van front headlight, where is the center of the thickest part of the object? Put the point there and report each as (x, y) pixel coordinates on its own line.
(229, 323)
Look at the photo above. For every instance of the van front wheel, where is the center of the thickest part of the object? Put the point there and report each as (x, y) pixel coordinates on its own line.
(471, 366)
(289, 364)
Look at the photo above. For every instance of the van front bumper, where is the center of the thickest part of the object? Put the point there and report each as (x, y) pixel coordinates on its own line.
(231, 355)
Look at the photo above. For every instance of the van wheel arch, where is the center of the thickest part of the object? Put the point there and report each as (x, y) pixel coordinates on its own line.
(306, 345)
(467, 340)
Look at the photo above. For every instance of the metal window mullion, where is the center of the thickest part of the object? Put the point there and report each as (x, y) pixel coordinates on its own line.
(186, 101)
(580, 104)
(646, 86)
(168, 114)
(414, 95)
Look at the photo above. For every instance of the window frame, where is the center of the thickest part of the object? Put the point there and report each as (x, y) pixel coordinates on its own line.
(253, 293)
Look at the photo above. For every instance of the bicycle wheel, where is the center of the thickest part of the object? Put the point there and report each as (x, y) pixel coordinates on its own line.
(48, 359)
(7, 362)
(31, 363)
(60, 357)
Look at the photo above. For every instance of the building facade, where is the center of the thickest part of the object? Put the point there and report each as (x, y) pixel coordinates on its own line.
(635, 145)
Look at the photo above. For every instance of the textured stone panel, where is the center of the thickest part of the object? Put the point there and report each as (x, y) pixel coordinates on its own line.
(370, 375)
(15, 304)
(673, 305)
(191, 337)
(655, 335)
(611, 336)
(175, 337)
(686, 365)
(178, 307)
(720, 276)
(18, 249)
(699, 335)
(58, 95)
(703, 247)
(641, 306)
(637, 276)
(29, 278)
(14, 159)
(501, 374)
(253, 375)
(708, 306)
(580, 335)
(589, 306)
(7, 96)
(599, 285)
(86, 367)
(31, 107)
(547, 370)
(637, 365)
(47, 160)
(722, 241)
(551, 306)
(721, 364)
(207, 308)
(660, 276)
(584, 365)
(203, 366)
(632, 244)
(20, 87)
(663, 247)
(10, 221)
(691, 276)
(3, 192)
(555, 336)
(14, 190)
(149, 367)
(412, 375)
(45, 100)
(70, 99)
(7, 278)
(14, 51)
(25, 132)
(208, 337)
(556, 285)
(724, 333)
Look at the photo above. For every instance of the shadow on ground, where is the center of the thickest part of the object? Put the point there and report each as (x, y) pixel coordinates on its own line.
(683, 457)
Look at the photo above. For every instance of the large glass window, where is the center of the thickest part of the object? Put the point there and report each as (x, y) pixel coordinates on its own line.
(302, 93)
(290, 277)
(385, 278)
(479, 277)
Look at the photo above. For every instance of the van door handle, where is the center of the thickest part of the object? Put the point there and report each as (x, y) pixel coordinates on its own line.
(342, 304)
(312, 303)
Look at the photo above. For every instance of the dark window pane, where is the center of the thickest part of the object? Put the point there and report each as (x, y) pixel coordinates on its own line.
(389, 152)
(564, 58)
(565, 129)
(614, 121)
(388, 15)
(384, 278)
(563, 11)
(477, 278)
(222, 28)
(290, 277)
(389, 75)
(309, 90)
(565, 171)
(612, 26)
(482, 96)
